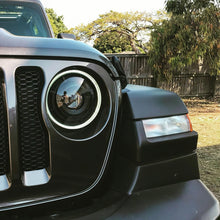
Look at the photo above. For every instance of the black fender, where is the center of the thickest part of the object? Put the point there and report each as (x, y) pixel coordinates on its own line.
(144, 163)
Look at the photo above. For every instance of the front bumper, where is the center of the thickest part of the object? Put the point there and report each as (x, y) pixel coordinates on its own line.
(188, 200)
(183, 201)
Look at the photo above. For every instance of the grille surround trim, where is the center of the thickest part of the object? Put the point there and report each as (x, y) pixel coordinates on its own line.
(49, 67)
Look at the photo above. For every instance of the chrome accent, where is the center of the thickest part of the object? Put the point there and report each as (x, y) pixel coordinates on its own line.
(35, 177)
(4, 183)
(99, 96)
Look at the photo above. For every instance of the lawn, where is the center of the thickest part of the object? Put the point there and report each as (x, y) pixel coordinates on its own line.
(205, 117)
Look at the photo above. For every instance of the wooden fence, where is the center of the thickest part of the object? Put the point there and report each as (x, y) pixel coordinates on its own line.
(134, 64)
(188, 85)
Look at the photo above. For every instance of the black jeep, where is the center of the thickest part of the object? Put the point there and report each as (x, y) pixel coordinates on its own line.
(77, 142)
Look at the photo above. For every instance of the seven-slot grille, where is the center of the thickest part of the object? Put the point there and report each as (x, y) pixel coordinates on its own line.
(33, 138)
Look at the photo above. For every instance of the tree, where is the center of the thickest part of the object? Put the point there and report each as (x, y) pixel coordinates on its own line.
(112, 43)
(190, 36)
(180, 7)
(133, 27)
(56, 22)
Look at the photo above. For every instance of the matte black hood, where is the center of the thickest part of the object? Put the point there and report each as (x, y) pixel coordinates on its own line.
(11, 45)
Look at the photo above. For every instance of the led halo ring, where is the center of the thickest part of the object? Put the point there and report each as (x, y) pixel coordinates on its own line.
(98, 106)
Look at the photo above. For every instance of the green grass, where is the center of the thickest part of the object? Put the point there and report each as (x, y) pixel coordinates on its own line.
(209, 164)
(205, 117)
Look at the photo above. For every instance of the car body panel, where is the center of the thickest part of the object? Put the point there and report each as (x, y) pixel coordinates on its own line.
(115, 173)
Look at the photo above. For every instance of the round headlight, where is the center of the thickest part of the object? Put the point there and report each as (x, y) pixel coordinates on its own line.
(73, 99)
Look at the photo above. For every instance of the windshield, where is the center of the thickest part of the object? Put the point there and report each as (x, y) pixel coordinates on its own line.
(23, 19)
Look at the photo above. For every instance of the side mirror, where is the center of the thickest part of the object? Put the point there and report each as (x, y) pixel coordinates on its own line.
(66, 36)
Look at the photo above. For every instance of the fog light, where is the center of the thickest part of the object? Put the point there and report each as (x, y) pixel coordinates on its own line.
(166, 126)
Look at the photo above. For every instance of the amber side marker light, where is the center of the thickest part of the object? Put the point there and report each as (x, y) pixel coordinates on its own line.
(158, 127)
(191, 127)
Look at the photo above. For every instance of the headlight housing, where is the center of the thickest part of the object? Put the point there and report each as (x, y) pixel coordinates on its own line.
(74, 99)
(166, 126)
(78, 103)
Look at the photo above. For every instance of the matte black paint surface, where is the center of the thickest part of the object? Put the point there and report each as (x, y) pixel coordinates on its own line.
(140, 103)
(188, 200)
(130, 177)
(183, 201)
(148, 102)
(11, 45)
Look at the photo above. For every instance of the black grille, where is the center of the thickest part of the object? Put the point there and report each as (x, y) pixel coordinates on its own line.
(4, 152)
(33, 137)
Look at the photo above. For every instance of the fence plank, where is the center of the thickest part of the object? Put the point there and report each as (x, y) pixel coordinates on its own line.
(194, 84)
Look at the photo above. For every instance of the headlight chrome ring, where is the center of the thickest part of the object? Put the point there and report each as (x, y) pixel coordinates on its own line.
(73, 99)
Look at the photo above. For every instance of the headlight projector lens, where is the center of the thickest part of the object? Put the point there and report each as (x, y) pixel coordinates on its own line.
(73, 99)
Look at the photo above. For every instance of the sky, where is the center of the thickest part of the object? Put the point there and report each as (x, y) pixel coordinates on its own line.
(83, 12)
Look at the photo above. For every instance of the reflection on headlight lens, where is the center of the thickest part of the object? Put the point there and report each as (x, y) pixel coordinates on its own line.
(69, 93)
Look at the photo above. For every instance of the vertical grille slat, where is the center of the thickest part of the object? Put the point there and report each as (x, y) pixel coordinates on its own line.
(32, 134)
(4, 148)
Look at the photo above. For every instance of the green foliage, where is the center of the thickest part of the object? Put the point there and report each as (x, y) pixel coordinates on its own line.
(190, 36)
(56, 22)
(179, 7)
(112, 43)
(129, 29)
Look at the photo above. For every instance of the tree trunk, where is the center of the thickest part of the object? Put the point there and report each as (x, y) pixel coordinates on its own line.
(134, 46)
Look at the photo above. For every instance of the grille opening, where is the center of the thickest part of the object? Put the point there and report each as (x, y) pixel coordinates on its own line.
(32, 133)
(4, 147)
